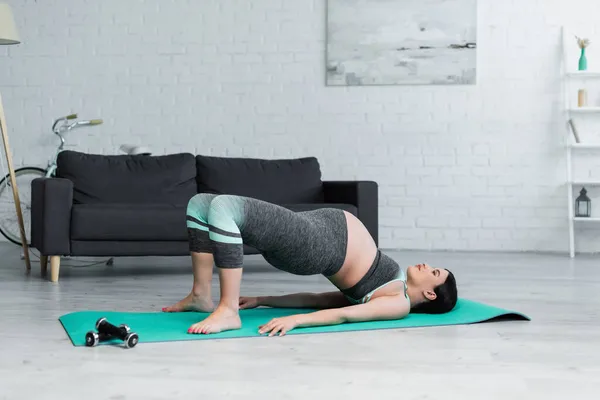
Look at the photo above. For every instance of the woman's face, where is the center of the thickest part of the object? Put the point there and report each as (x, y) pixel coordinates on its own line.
(426, 277)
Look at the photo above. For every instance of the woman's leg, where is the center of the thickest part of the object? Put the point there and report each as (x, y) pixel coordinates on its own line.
(199, 298)
(225, 217)
(226, 316)
(303, 244)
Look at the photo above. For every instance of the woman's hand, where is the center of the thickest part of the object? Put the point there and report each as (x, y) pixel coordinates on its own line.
(248, 302)
(281, 325)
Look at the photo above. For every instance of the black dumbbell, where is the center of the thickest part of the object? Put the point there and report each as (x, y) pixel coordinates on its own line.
(119, 332)
(93, 338)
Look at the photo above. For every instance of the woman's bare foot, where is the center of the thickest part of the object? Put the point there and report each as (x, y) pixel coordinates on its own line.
(192, 303)
(222, 319)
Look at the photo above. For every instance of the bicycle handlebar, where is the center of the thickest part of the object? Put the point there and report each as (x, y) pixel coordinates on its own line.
(65, 127)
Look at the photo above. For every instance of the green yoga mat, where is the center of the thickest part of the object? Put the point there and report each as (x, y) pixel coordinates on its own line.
(166, 327)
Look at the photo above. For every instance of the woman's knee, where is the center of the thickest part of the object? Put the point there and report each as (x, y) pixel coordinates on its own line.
(200, 203)
(226, 206)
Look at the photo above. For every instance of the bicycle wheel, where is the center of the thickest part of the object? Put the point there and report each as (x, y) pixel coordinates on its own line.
(9, 223)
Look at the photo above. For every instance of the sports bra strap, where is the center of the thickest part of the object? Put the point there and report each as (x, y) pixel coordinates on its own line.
(401, 277)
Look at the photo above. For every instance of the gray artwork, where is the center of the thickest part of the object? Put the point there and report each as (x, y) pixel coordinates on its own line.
(396, 42)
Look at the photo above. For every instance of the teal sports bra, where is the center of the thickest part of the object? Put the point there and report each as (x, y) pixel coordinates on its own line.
(400, 277)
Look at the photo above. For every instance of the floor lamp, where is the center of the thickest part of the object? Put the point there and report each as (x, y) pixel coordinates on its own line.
(8, 36)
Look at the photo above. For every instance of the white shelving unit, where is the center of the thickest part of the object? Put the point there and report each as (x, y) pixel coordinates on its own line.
(585, 146)
(585, 183)
(583, 74)
(587, 219)
(572, 112)
(585, 110)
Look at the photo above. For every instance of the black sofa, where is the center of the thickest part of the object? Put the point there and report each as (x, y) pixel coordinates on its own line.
(124, 205)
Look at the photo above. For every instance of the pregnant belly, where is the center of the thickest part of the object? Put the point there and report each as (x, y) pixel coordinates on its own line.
(360, 254)
(288, 264)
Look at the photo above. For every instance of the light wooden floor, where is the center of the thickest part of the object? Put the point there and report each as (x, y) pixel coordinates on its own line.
(555, 356)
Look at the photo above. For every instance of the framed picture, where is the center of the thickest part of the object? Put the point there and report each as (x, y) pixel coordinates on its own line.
(401, 42)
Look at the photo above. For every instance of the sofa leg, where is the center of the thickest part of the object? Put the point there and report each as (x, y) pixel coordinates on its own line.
(44, 264)
(54, 268)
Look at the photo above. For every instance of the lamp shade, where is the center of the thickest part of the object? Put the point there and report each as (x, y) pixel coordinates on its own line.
(8, 29)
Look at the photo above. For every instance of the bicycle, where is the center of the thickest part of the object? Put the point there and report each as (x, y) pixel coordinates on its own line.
(9, 226)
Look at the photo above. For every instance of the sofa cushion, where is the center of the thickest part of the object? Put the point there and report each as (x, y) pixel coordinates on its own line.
(310, 207)
(141, 222)
(276, 181)
(147, 222)
(168, 179)
(109, 248)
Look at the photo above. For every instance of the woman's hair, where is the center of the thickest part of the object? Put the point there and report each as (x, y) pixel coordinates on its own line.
(445, 301)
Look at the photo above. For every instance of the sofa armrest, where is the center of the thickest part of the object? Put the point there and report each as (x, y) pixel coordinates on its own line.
(363, 195)
(51, 204)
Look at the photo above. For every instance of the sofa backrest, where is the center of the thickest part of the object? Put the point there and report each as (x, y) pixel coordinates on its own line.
(169, 179)
(281, 181)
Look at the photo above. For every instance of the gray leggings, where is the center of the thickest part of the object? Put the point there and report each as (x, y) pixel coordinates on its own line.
(301, 243)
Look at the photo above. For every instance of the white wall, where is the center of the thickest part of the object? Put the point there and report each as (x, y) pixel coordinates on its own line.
(459, 167)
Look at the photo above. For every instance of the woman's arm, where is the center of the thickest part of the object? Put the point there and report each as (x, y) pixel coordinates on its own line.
(380, 308)
(305, 300)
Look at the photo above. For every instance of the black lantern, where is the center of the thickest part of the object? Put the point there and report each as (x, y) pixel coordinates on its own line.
(583, 205)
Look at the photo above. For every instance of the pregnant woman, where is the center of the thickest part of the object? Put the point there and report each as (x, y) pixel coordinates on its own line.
(328, 241)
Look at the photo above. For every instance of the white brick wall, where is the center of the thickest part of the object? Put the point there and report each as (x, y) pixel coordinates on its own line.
(459, 167)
